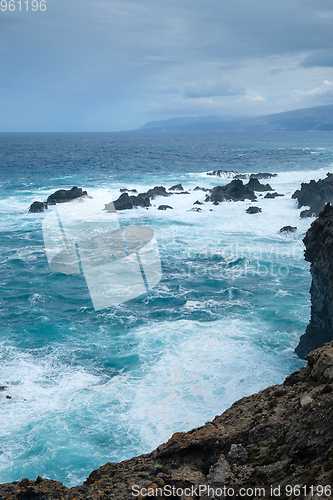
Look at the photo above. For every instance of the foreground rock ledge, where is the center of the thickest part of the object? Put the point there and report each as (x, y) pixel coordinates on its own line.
(280, 436)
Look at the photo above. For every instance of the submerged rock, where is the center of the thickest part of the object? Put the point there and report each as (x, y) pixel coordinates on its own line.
(262, 175)
(273, 195)
(164, 207)
(318, 243)
(223, 173)
(288, 229)
(253, 210)
(314, 195)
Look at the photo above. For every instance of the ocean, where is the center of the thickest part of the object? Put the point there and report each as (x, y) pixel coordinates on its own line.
(84, 387)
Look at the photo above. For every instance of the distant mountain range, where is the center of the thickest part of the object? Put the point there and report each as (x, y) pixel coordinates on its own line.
(316, 118)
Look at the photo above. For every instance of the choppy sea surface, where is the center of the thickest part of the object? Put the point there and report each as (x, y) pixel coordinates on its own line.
(84, 387)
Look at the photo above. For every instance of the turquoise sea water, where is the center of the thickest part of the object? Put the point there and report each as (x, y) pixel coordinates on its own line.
(89, 387)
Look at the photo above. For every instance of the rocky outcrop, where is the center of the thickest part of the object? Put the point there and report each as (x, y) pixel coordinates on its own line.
(38, 207)
(314, 195)
(234, 191)
(318, 242)
(63, 195)
(60, 196)
(255, 185)
(127, 202)
(279, 437)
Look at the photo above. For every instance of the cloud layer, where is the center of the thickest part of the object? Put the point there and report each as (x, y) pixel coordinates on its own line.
(119, 63)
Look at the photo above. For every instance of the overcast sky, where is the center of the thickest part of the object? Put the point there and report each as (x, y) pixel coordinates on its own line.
(105, 65)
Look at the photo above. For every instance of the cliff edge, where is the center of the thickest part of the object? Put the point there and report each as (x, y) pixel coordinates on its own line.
(319, 251)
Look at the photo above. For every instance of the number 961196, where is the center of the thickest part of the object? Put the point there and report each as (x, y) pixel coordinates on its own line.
(23, 5)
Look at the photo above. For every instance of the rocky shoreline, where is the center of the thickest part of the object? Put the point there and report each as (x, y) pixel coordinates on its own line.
(279, 440)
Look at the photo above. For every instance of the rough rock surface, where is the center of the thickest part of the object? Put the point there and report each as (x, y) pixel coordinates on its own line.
(233, 191)
(314, 195)
(280, 436)
(318, 242)
(63, 195)
(176, 187)
(126, 202)
(255, 185)
(60, 196)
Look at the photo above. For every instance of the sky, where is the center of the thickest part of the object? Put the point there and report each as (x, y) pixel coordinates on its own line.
(112, 65)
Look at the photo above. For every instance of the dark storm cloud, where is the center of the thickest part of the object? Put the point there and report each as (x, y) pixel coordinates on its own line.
(320, 58)
(97, 63)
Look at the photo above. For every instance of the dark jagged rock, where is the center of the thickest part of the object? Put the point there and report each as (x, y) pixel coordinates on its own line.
(177, 187)
(255, 185)
(280, 436)
(63, 195)
(262, 175)
(288, 229)
(273, 195)
(126, 202)
(125, 190)
(60, 196)
(197, 203)
(198, 188)
(314, 195)
(38, 207)
(318, 242)
(234, 191)
(195, 209)
(164, 207)
(156, 191)
(253, 210)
